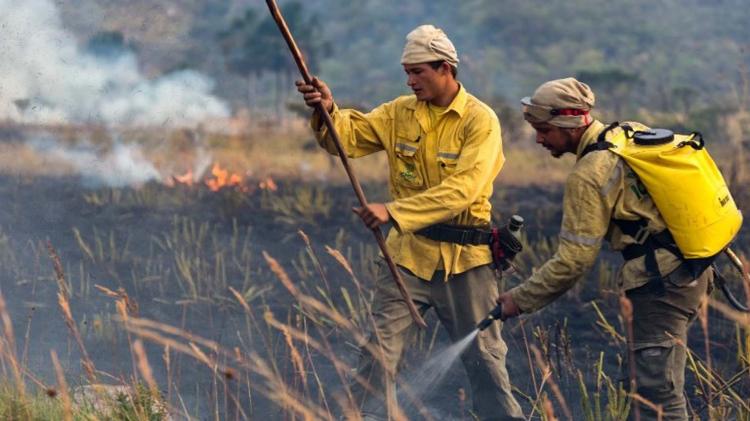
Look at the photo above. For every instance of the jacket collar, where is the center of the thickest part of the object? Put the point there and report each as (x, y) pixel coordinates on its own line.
(458, 105)
(589, 136)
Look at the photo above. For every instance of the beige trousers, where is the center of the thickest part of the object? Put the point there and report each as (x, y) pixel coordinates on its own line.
(660, 325)
(460, 303)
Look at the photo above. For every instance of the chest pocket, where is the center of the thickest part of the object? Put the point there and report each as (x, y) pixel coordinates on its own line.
(407, 170)
(447, 163)
(448, 153)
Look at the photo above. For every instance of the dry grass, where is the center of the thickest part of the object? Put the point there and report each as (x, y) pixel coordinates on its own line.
(302, 394)
(295, 357)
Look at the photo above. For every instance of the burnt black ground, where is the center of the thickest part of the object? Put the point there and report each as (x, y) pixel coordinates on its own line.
(39, 209)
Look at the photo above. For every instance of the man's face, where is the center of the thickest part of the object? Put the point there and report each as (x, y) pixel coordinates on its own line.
(557, 140)
(426, 82)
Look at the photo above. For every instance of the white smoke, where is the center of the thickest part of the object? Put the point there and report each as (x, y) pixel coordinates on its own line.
(120, 166)
(201, 163)
(46, 78)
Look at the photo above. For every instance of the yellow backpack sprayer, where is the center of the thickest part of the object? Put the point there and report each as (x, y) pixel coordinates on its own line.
(687, 187)
(684, 183)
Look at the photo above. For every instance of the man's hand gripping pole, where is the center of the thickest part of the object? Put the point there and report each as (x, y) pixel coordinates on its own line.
(276, 13)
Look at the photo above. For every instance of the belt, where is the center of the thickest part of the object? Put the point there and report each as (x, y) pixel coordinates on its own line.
(457, 234)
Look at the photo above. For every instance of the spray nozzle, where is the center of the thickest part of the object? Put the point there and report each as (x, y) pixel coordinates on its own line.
(506, 242)
(494, 315)
(515, 223)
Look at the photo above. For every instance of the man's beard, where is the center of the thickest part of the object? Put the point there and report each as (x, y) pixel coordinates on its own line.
(569, 146)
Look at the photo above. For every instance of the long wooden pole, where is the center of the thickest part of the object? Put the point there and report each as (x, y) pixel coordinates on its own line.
(276, 13)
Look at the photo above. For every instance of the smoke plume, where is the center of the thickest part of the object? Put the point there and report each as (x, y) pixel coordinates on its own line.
(45, 77)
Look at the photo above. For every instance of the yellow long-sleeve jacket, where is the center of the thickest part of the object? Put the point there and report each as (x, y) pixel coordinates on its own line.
(600, 188)
(441, 171)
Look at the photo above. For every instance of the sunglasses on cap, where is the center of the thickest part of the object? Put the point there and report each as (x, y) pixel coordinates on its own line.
(540, 113)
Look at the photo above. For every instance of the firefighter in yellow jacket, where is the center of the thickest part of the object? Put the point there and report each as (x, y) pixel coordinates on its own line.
(604, 199)
(444, 150)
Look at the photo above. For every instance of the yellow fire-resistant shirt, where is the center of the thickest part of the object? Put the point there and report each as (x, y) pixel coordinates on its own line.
(600, 188)
(441, 171)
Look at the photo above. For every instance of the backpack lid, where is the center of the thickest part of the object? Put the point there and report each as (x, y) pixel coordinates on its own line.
(653, 137)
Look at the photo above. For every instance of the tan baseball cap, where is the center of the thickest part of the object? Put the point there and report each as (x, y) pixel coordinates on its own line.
(427, 43)
(563, 103)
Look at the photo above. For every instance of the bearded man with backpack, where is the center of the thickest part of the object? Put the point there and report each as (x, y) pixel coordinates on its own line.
(605, 198)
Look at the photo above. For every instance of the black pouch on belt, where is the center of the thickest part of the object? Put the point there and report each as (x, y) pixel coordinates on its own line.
(501, 241)
(504, 246)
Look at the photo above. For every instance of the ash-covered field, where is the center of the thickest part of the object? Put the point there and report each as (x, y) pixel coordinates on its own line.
(203, 261)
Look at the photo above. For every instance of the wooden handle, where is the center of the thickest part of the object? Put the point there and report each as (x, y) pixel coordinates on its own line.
(276, 13)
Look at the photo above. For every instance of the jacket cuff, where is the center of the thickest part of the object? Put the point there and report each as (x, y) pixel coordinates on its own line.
(393, 212)
(522, 300)
(316, 120)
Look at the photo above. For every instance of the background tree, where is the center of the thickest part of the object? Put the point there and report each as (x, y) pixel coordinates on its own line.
(233, 41)
(614, 87)
(506, 47)
(252, 46)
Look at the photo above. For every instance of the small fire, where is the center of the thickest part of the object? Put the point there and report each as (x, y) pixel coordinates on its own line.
(221, 178)
(268, 184)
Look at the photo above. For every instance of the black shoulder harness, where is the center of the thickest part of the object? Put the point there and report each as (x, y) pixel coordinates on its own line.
(602, 144)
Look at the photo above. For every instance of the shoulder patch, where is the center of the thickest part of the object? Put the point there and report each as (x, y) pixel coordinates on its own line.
(600, 168)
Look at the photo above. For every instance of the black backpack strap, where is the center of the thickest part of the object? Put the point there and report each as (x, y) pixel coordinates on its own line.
(601, 143)
(603, 135)
(646, 244)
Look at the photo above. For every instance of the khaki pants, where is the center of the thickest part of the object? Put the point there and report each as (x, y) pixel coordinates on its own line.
(660, 325)
(460, 304)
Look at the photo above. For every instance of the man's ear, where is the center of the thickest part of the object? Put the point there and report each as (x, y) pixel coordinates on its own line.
(446, 68)
(578, 131)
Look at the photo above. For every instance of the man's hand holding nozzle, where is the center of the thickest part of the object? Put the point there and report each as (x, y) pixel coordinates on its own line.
(509, 307)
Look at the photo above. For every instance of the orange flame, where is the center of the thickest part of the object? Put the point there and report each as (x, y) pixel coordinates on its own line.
(222, 178)
(268, 184)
